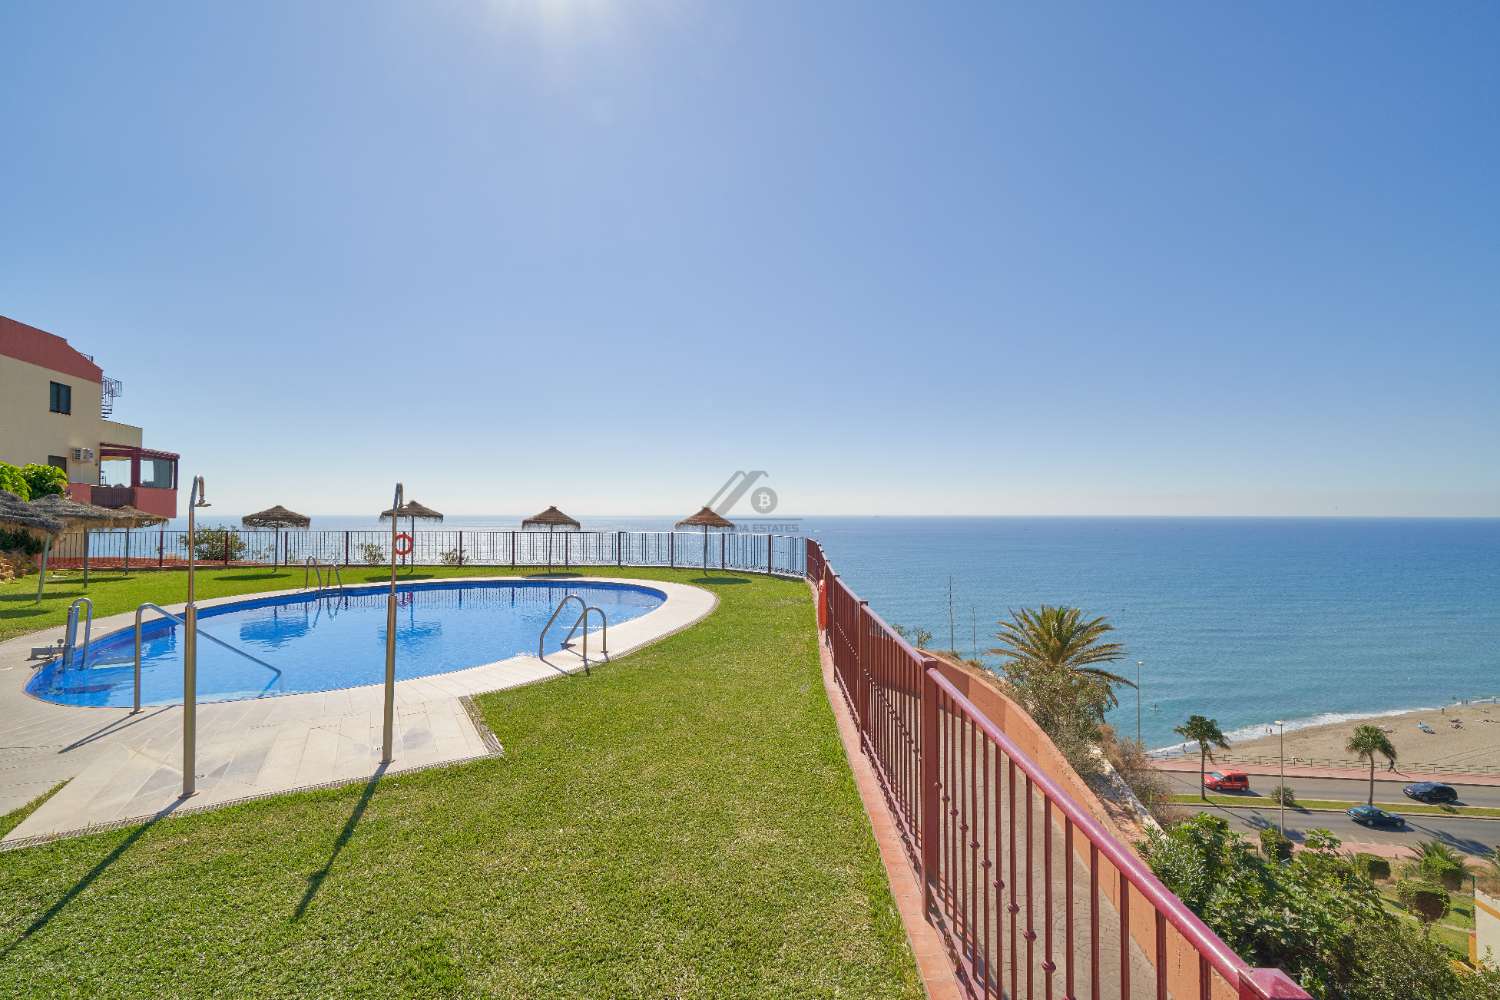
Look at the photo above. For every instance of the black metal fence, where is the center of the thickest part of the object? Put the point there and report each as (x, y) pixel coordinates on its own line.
(161, 548)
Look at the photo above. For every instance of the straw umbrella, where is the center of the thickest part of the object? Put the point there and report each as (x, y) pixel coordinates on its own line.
(707, 518)
(553, 519)
(21, 517)
(84, 517)
(413, 512)
(277, 517)
(137, 518)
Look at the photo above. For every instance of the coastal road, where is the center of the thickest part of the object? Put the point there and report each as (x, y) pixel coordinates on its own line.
(1472, 836)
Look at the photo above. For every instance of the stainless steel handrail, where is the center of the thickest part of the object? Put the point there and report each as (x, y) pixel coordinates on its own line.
(314, 564)
(541, 637)
(70, 640)
(211, 638)
(583, 620)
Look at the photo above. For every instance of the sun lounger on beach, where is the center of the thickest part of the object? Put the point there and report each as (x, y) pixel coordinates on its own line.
(1426, 728)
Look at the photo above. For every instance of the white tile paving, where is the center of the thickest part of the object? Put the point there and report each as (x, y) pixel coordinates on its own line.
(121, 767)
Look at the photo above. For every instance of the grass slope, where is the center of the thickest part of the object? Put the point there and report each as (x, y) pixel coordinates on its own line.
(681, 824)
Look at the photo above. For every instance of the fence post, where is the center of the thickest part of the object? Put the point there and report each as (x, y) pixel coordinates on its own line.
(226, 548)
(862, 698)
(161, 548)
(567, 549)
(512, 550)
(672, 549)
(927, 750)
(769, 538)
(460, 546)
(619, 548)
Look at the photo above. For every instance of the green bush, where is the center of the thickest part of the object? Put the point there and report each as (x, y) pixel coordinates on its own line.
(1274, 845)
(1284, 795)
(1373, 866)
(19, 541)
(12, 481)
(44, 480)
(1314, 916)
(211, 544)
(453, 558)
(372, 554)
(1427, 900)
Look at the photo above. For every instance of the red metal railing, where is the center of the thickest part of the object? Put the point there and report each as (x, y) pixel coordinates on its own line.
(1027, 889)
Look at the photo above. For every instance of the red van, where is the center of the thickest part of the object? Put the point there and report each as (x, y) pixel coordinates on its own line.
(1227, 781)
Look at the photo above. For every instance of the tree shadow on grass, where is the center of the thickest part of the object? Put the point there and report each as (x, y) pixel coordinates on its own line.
(89, 878)
(721, 580)
(315, 880)
(267, 575)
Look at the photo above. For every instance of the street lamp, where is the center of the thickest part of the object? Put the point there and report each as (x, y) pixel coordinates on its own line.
(1138, 665)
(1281, 792)
(190, 650)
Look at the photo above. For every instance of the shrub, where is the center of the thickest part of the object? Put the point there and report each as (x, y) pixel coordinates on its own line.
(12, 481)
(1373, 866)
(1131, 763)
(1284, 795)
(1427, 900)
(44, 480)
(372, 554)
(1274, 845)
(19, 541)
(1314, 916)
(453, 558)
(211, 544)
(1440, 863)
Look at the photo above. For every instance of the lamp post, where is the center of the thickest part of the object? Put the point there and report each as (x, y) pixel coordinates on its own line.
(190, 649)
(1281, 792)
(1138, 665)
(389, 723)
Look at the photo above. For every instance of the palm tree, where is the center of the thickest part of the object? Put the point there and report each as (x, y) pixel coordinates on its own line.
(1366, 742)
(1060, 638)
(1206, 733)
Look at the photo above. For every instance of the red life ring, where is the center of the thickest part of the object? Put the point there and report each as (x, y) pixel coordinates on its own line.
(403, 544)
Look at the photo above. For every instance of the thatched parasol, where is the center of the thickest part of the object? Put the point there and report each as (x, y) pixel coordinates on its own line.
(553, 519)
(413, 512)
(277, 517)
(138, 519)
(82, 517)
(19, 516)
(707, 518)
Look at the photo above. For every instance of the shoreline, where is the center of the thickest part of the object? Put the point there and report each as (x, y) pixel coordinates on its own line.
(1473, 744)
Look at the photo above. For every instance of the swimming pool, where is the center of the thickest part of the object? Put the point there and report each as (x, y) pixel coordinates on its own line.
(330, 640)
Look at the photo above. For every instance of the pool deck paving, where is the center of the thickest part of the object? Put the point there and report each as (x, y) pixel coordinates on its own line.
(123, 768)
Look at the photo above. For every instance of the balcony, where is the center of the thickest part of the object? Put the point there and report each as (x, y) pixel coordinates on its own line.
(138, 477)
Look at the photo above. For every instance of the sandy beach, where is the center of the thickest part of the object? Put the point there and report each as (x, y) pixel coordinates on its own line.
(1473, 744)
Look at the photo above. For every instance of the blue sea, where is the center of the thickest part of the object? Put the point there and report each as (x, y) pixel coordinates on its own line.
(1245, 620)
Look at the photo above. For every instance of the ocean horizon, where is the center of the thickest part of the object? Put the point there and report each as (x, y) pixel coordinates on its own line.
(1244, 619)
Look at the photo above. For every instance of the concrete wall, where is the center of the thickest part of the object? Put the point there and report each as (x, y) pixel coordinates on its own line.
(30, 432)
(1485, 944)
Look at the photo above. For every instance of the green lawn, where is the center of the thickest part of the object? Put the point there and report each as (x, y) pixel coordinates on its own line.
(681, 824)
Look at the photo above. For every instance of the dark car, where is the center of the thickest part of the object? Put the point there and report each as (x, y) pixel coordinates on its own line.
(1431, 791)
(1377, 818)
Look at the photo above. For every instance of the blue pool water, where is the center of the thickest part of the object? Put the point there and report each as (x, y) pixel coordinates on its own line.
(321, 643)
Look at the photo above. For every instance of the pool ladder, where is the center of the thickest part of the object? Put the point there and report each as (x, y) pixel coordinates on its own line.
(315, 566)
(581, 621)
(70, 636)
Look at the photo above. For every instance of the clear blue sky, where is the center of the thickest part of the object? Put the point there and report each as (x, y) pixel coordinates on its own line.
(1045, 258)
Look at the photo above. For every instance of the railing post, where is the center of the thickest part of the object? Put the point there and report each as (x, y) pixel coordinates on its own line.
(161, 548)
(512, 550)
(672, 549)
(927, 750)
(226, 548)
(346, 547)
(769, 538)
(460, 547)
(619, 548)
(862, 695)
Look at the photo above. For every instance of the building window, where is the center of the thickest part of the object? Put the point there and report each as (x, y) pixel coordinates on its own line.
(62, 398)
(58, 462)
